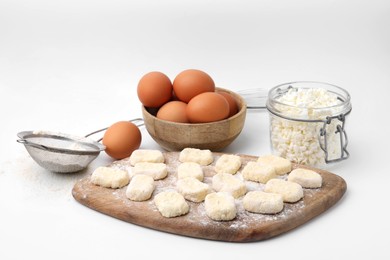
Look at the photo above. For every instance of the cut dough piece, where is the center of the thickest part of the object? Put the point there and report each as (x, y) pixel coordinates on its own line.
(228, 183)
(306, 178)
(110, 177)
(220, 206)
(228, 163)
(203, 157)
(282, 165)
(263, 202)
(255, 171)
(290, 191)
(144, 155)
(140, 188)
(190, 169)
(171, 204)
(157, 171)
(192, 189)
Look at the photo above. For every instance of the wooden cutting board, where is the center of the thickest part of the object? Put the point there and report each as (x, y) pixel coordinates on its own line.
(244, 228)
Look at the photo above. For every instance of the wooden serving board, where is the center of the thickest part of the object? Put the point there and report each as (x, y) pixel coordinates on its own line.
(244, 228)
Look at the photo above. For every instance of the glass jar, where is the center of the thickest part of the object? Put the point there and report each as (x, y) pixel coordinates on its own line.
(307, 122)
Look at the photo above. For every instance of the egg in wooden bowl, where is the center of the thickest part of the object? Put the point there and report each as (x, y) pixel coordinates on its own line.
(215, 136)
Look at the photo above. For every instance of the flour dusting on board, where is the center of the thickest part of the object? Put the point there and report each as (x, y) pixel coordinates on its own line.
(197, 212)
(246, 226)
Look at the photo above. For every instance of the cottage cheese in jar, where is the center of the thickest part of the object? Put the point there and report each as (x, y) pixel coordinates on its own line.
(307, 122)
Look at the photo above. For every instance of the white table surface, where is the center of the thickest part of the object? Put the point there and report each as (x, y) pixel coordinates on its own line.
(73, 66)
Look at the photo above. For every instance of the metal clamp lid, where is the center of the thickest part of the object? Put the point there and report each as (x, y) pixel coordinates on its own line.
(323, 140)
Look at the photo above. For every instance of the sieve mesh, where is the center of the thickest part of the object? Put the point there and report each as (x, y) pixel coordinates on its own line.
(59, 152)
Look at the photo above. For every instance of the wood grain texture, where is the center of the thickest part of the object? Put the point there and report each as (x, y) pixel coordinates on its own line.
(245, 227)
(213, 136)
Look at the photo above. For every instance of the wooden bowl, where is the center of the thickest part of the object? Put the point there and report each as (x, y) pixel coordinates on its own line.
(213, 136)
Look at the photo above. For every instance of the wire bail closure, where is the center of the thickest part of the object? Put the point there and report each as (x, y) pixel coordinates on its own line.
(323, 140)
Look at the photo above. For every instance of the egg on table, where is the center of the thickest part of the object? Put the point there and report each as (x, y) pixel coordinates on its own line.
(121, 139)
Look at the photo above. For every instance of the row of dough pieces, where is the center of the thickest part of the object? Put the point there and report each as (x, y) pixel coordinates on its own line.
(148, 166)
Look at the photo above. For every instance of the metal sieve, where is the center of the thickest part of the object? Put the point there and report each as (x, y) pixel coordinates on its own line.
(63, 153)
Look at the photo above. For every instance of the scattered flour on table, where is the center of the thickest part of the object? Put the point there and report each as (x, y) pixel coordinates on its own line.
(32, 181)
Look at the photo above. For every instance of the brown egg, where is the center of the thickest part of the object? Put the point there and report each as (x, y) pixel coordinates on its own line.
(174, 111)
(233, 106)
(190, 83)
(207, 107)
(154, 89)
(121, 139)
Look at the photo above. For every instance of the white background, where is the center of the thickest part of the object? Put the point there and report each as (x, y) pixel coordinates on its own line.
(73, 66)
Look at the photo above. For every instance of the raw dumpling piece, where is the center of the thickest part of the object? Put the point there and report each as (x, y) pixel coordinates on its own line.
(202, 157)
(140, 188)
(258, 172)
(171, 204)
(192, 189)
(290, 191)
(110, 177)
(190, 169)
(282, 165)
(306, 178)
(229, 183)
(263, 202)
(144, 155)
(220, 206)
(157, 171)
(228, 163)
